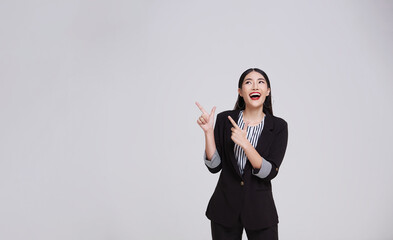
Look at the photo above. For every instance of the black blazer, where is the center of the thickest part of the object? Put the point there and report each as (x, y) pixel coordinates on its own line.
(246, 196)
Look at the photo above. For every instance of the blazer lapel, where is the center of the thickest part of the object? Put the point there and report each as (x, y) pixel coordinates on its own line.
(267, 136)
(235, 116)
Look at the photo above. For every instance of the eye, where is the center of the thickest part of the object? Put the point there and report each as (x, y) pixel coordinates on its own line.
(247, 82)
(261, 81)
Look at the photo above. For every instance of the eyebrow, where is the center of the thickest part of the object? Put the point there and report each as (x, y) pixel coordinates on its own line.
(257, 79)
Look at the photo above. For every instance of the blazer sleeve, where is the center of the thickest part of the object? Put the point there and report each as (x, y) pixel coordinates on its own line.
(218, 138)
(278, 149)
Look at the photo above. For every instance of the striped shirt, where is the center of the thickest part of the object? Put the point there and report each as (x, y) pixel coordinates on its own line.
(253, 133)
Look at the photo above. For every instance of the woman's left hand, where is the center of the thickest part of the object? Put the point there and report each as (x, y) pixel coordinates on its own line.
(239, 136)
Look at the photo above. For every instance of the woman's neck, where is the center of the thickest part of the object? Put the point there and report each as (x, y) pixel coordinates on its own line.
(253, 116)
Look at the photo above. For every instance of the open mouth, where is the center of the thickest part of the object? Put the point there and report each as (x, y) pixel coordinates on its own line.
(255, 95)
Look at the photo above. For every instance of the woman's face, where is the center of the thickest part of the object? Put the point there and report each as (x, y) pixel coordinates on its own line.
(254, 90)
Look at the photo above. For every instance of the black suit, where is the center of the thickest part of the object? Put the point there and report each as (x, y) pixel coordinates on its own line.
(246, 196)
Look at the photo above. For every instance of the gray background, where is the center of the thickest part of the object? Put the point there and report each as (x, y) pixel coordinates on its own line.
(98, 133)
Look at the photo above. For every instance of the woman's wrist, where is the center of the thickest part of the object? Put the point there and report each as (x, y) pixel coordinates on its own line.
(209, 131)
(247, 145)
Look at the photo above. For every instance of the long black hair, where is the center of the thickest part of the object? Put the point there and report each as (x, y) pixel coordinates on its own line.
(267, 105)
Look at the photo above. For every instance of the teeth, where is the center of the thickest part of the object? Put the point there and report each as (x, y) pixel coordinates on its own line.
(255, 95)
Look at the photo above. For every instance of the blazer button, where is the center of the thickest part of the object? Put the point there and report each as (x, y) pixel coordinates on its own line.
(277, 169)
(241, 183)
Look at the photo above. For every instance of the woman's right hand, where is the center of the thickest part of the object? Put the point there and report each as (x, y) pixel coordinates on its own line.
(206, 121)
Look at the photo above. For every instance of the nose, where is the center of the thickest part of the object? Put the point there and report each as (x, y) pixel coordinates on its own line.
(254, 86)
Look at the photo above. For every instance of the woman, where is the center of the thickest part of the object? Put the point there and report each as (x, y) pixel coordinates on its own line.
(248, 145)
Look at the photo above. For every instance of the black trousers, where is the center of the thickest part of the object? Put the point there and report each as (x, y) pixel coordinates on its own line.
(220, 232)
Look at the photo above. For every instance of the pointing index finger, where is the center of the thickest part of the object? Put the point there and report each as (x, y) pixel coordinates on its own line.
(233, 122)
(200, 107)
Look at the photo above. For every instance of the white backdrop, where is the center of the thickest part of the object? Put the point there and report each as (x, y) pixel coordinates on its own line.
(98, 133)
